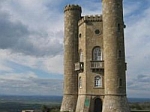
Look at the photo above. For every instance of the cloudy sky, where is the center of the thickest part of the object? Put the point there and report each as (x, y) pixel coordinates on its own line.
(31, 45)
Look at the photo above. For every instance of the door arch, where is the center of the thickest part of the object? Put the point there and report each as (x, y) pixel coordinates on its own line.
(98, 105)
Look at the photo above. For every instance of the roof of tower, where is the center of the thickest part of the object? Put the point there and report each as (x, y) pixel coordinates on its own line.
(72, 7)
(91, 18)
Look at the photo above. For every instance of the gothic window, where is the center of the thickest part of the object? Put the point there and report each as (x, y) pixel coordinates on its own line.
(98, 81)
(97, 54)
(80, 82)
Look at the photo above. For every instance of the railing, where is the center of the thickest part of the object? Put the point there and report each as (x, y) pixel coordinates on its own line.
(97, 64)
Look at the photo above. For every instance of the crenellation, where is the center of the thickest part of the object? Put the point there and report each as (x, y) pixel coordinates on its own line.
(93, 18)
(90, 18)
(72, 7)
(96, 43)
(71, 18)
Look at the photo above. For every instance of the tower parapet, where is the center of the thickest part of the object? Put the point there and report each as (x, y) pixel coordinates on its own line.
(96, 42)
(72, 7)
(90, 18)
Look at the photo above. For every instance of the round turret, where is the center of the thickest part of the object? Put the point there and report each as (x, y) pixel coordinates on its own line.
(72, 7)
(114, 57)
(72, 16)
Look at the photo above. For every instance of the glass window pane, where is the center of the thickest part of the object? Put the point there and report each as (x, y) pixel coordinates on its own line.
(98, 81)
(96, 54)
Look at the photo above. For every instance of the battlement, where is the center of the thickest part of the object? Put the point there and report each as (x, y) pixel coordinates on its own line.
(90, 18)
(72, 7)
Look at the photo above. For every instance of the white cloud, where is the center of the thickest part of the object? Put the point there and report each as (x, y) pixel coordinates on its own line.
(54, 64)
(15, 76)
(4, 68)
(139, 86)
(23, 23)
(51, 64)
(138, 42)
(30, 86)
(130, 7)
(35, 14)
(94, 9)
(35, 31)
(137, 50)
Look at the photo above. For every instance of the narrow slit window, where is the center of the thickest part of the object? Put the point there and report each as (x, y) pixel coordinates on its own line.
(120, 82)
(80, 35)
(120, 54)
(80, 82)
(119, 28)
(81, 56)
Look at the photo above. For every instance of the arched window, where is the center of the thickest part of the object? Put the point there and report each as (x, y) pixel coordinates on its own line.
(80, 82)
(97, 56)
(98, 81)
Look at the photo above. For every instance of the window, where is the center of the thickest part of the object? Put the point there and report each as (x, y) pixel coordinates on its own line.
(81, 56)
(98, 81)
(120, 83)
(97, 54)
(97, 31)
(80, 82)
(119, 53)
(80, 35)
(118, 27)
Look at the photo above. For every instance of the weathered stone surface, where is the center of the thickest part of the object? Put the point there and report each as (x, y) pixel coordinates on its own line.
(114, 57)
(82, 36)
(72, 16)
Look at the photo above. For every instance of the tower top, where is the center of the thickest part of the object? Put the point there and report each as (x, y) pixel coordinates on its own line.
(72, 7)
(90, 18)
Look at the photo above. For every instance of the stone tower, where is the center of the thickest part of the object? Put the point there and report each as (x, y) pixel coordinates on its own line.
(94, 60)
(114, 57)
(72, 16)
(90, 66)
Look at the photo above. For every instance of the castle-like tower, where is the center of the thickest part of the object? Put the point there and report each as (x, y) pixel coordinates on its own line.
(114, 57)
(72, 16)
(94, 60)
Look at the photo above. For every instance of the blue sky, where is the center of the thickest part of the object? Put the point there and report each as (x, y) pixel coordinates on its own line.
(31, 45)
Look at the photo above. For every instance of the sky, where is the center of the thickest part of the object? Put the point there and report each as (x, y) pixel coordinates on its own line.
(31, 45)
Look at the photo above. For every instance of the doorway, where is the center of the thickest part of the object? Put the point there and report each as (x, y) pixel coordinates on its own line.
(98, 105)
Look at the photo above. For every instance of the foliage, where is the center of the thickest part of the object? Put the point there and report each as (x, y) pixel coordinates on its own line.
(140, 106)
(46, 108)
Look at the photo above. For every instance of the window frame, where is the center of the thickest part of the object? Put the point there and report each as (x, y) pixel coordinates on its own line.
(97, 54)
(97, 81)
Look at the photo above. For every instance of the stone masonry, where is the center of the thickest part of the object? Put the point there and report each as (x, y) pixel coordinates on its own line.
(94, 60)
(72, 16)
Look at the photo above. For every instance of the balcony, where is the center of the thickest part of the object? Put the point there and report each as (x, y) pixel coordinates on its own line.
(79, 66)
(97, 65)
